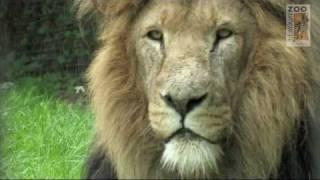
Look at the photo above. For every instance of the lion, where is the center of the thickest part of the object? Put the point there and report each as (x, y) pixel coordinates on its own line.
(201, 89)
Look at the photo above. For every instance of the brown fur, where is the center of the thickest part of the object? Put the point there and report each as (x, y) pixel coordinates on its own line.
(275, 90)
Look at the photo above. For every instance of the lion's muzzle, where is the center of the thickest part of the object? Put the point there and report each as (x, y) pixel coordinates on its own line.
(183, 106)
(188, 99)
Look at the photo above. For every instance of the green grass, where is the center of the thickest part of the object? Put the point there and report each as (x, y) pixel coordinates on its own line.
(43, 136)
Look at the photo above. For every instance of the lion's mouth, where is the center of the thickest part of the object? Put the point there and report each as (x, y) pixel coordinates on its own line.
(188, 134)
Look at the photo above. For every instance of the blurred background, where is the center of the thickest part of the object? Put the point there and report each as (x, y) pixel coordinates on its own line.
(45, 115)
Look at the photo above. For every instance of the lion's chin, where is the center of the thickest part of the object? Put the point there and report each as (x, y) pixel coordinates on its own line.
(191, 157)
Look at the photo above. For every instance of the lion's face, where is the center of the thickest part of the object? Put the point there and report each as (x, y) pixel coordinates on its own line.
(190, 56)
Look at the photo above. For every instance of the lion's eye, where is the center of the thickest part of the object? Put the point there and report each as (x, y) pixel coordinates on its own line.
(221, 34)
(155, 35)
(224, 33)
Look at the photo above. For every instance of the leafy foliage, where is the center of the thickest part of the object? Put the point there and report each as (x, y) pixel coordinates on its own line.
(45, 36)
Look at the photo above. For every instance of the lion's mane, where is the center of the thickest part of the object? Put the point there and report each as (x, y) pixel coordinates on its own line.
(274, 106)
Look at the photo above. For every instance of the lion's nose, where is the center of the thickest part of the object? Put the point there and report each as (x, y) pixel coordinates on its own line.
(183, 106)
